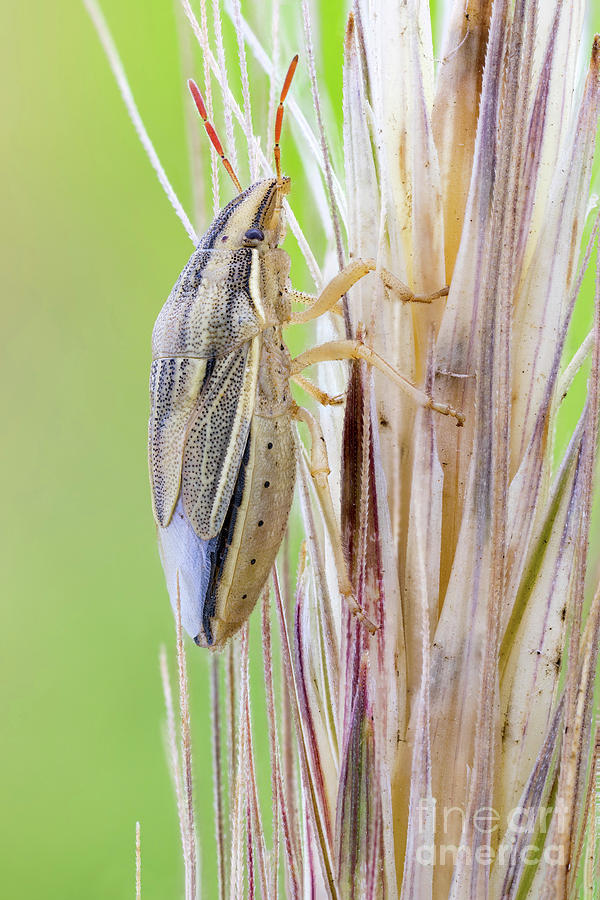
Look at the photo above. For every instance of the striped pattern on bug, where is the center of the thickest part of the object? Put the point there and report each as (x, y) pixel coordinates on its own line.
(222, 450)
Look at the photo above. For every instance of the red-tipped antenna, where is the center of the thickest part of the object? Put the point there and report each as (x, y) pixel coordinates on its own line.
(279, 116)
(212, 134)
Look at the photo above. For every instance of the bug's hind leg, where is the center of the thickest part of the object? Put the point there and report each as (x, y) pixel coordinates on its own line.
(319, 469)
(333, 350)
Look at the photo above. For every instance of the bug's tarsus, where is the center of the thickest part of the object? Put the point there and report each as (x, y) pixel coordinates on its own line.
(212, 134)
(360, 614)
(446, 410)
(437, 295)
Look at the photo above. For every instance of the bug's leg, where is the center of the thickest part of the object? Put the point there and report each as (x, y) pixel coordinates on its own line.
(319, 469)
(357, 350)
(310, 300)
(301, 297)
(320, 396)
(349, 275)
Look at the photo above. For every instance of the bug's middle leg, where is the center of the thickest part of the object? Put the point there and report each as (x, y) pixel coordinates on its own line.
(343, 281)
(334, 350)
(319, 469)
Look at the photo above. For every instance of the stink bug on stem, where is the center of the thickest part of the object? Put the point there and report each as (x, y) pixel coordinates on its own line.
(222, 446)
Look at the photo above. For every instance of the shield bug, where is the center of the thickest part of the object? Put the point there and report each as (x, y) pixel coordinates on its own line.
(222, 446)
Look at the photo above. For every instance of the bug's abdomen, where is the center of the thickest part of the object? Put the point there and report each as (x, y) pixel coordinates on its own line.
(260, 519)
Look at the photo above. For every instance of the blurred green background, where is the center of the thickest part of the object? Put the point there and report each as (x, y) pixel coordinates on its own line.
(91, 249)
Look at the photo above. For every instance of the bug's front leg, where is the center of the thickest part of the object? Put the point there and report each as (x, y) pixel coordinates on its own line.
(309, 300)
(335, 350)
(343, 281)
(319, 469)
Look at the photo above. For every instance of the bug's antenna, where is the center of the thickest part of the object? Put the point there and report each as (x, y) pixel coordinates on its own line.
(279, 116)
(212, 134)
(277, 150)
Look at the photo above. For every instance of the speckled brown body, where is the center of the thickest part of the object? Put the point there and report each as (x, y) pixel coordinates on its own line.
(222, 449)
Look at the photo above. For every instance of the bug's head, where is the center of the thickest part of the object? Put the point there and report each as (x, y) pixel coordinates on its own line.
(255, 217)
(262, 217)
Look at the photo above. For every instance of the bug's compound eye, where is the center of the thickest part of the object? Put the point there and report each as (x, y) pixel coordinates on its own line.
(253, 237)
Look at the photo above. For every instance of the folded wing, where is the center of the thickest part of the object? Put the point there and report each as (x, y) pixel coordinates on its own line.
(216, 438)
(201, 413)
(175, 387)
